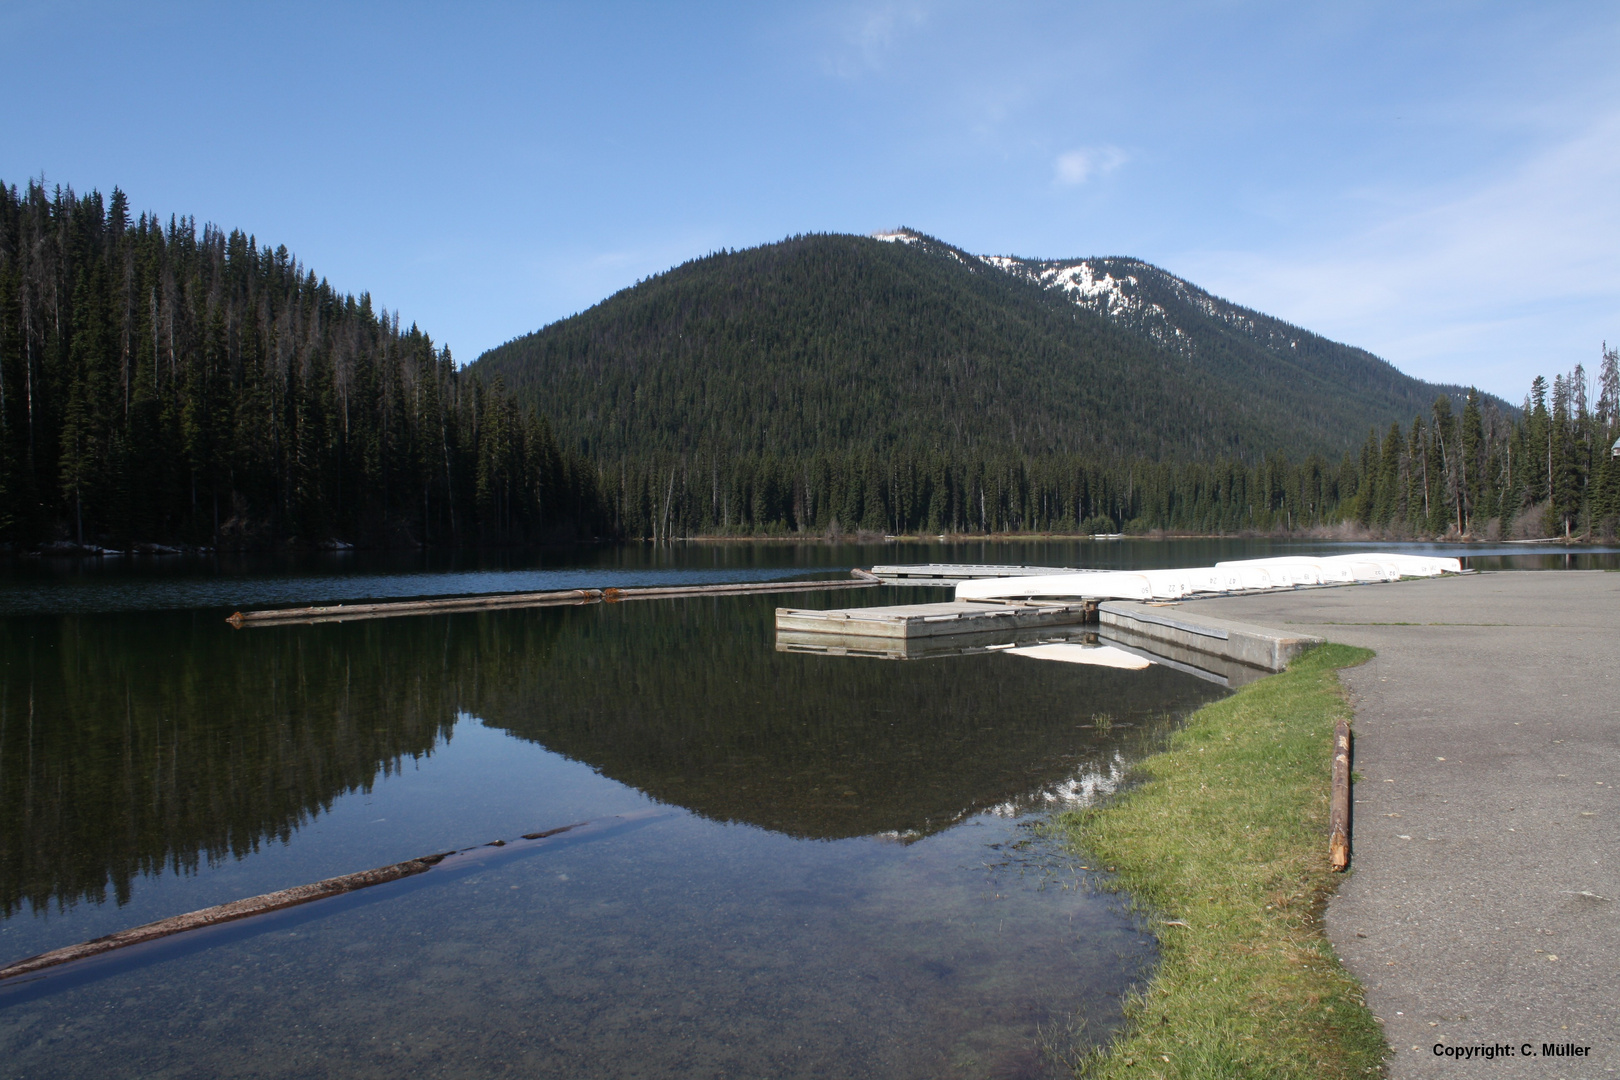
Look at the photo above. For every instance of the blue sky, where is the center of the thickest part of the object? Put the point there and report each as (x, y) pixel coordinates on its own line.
(1439, 183)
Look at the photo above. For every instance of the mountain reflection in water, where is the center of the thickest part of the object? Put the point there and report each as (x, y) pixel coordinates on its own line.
(147, 743)
(820, 747)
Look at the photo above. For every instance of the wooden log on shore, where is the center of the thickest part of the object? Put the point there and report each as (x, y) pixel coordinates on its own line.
(557, 598)
(1339, 800)
(320, 890)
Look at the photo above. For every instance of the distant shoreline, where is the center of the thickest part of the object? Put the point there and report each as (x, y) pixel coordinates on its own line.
(68, 550)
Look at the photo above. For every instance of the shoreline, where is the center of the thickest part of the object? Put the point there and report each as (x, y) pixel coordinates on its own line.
(67, 550)
(1103, 538)
(1234, 878)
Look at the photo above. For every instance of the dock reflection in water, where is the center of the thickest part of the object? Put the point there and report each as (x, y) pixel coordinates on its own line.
(152, 764)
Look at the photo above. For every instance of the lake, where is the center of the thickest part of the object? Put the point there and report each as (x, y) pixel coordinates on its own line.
(801, 865)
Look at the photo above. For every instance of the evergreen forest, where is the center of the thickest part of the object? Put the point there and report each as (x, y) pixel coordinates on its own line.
(1473, 472)
(162, 385)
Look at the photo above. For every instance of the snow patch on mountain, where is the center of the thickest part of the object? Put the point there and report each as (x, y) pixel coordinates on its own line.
(1079, 280)
(1117, 290)
(1123, 291)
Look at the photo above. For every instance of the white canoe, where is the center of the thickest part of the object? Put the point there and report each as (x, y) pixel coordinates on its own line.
(1239, 575)
(1109, 585)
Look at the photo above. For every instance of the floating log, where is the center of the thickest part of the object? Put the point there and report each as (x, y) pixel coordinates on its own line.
(1339, 804)
(557, 598)
(304, 894)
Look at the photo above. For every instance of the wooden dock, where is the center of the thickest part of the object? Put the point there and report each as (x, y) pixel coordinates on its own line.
(927, 648)
(908, 621)
(557, 598)
(945, 575)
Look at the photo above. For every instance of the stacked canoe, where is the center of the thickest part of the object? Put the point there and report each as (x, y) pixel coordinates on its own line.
(1246, 575)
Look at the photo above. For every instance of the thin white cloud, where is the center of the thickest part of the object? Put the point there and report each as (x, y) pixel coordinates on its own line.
(869, 33)
(1077, 166)
(1488, 285)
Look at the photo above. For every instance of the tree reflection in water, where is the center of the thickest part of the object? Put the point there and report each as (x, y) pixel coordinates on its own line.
(139, 744)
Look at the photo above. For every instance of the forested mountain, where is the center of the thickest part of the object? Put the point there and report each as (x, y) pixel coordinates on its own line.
(832, 342)
(1232, 342)
(164, 386)
(897, 384)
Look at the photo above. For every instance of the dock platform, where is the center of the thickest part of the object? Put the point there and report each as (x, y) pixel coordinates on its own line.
(928, 648)
(906, 621)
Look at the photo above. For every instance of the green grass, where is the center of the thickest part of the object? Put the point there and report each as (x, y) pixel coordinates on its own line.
(1227, 833)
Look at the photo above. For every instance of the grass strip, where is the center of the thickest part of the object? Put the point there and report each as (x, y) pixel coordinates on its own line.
(1227, 834)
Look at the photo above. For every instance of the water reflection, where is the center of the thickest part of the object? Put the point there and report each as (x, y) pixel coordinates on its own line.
(142, 744)
(776, 929)
(131, 747)
(812, 746)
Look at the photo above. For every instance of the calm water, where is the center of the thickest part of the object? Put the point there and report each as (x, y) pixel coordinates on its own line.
(834, 872)
(147, 583)
(839, 879)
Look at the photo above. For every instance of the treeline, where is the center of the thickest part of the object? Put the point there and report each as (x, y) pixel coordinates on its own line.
(162, 385)
(1552, 472)
(1476, 473)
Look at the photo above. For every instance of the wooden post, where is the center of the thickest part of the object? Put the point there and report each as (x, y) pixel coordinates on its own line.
(1339, 805)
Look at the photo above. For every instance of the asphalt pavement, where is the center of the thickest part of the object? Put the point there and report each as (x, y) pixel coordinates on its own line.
(1483, 905)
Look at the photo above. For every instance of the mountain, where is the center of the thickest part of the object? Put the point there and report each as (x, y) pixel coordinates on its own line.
(901, 341)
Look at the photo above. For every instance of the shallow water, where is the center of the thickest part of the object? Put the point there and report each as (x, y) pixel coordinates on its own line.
(840, 879)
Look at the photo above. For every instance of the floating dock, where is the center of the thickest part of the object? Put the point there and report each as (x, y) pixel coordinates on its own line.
(947, 575)
(910, 621)
(926, 648)
(1137, 611)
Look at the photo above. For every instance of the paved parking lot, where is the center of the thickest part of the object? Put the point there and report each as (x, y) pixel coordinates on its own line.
(1483, 909)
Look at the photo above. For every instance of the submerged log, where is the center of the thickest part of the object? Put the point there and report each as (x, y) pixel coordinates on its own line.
(1339, 803)
(320, 890)
(222, 913)
(557, 598)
